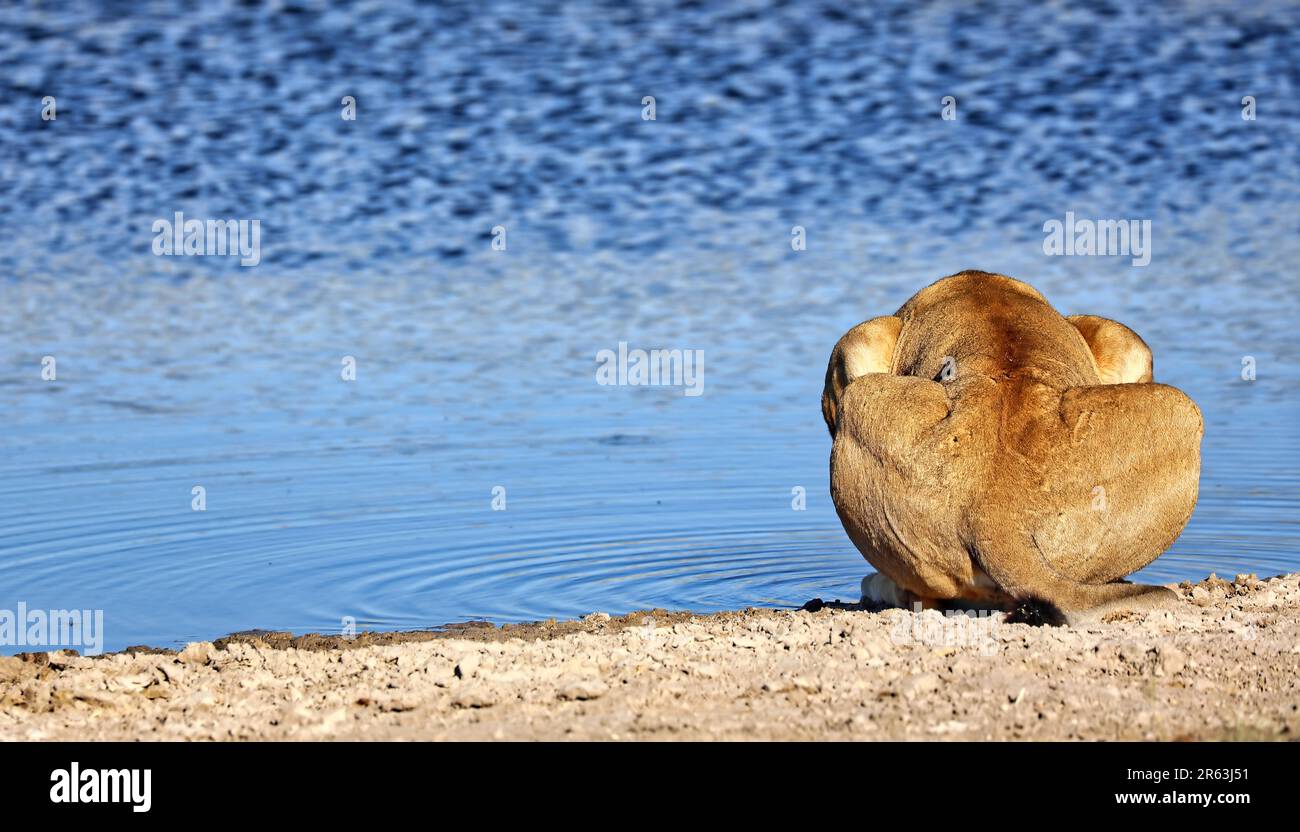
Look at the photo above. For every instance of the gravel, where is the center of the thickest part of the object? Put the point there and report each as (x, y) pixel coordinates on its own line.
(1223, 665)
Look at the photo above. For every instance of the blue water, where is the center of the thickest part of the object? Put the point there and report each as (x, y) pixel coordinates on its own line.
(476, 367)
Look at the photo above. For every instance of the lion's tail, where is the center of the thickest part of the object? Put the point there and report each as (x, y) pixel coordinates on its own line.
(1044, 596)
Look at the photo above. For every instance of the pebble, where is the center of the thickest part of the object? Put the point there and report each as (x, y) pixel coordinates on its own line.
(197, 652)
(583, 690)
(1170, 659)
(806, 684)
(11, 667)
(473, 696)
(468, 665)
(919, 685)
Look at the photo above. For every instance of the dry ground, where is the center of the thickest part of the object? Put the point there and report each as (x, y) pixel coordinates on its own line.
(1223, 665)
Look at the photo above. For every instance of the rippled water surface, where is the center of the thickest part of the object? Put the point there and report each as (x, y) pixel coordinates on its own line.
(476, 368)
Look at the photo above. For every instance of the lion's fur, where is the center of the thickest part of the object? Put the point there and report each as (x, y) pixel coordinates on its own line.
(989, 450)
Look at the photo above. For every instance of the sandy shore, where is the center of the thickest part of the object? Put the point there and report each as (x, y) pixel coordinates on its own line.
(1224, 665)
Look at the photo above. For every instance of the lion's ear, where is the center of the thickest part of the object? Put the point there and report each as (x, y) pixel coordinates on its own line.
(867, 348)
(1122, 357)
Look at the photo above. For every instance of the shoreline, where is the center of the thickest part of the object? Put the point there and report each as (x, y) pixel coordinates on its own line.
(1223, 664)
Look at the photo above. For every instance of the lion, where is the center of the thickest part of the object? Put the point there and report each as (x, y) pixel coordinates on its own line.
(989, 452)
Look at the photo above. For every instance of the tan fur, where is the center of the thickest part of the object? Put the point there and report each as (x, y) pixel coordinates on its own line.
(988, 450)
